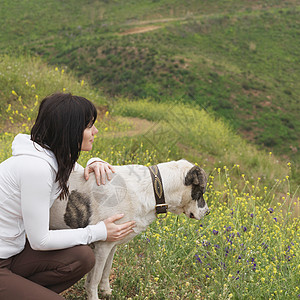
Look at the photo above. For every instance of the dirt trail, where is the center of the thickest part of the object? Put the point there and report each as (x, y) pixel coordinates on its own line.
(189, 16)
(144, 29)
(165, 20)
(137, 127)
(139, 30)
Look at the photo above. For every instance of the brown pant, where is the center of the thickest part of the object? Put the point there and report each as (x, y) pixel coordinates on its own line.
(36, 275)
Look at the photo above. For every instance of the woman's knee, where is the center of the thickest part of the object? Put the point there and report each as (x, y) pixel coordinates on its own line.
(84, 255)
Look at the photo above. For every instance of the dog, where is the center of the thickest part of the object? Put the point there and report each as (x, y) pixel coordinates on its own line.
(130, 191)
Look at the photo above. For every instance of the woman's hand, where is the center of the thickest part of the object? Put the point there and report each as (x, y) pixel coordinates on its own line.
(117, 232)
(101, 169)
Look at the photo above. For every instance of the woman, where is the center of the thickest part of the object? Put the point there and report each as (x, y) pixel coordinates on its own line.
(35, 262)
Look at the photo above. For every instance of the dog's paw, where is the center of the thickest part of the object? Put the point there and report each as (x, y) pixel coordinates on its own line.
(104, 287)
(106, 297)
(93, 298)
(92, 295)
(105, 292)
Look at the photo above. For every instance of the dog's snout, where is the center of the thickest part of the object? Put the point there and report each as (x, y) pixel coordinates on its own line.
(207, 213)
(192, 216)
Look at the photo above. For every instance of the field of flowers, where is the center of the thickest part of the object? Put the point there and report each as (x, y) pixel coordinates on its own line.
(247, 248)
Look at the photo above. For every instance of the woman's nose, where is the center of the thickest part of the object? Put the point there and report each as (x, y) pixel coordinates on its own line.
(95, 131)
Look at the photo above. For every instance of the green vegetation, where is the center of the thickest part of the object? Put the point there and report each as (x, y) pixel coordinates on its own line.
(237, 59)
(173, 80)
(174, 131)
(26, 80)
(242, 251)
(248, 248)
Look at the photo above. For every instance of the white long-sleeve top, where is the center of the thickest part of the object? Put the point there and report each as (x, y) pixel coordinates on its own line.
(27, 191)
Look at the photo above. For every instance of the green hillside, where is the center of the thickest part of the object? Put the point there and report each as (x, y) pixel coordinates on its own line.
(236, 59)
(213, 81)
(247, 248)
(173, 131)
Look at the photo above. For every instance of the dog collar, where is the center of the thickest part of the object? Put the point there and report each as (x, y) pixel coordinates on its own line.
(161, 207)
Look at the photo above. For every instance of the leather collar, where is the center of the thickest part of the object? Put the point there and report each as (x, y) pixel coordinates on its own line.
(161, 207)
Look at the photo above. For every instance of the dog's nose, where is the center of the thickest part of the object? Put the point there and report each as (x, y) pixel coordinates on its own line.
(207, 213)
(192, 216)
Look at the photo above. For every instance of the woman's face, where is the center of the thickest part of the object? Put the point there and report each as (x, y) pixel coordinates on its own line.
(88, 138)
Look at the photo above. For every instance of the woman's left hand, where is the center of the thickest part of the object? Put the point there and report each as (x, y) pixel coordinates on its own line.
(101, 170)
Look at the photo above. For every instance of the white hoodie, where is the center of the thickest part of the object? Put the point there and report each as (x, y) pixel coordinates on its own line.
(27, 191)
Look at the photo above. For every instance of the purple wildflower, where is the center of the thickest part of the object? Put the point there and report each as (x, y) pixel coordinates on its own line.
(198, 258)
(271, 210)
(215, 232)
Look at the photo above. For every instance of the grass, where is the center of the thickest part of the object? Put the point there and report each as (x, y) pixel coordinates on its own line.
(198, 136)
(238, 59)
(24, 81)
(247, 248)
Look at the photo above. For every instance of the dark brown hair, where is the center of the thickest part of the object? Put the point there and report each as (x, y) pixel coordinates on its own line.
(59, 127)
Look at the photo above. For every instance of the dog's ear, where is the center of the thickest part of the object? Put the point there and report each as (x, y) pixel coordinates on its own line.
(196, 176)
(198, 179)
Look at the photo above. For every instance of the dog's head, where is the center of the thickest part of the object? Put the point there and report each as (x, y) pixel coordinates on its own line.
(195, 205)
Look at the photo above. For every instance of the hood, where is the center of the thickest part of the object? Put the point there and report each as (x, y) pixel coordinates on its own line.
(23, 145)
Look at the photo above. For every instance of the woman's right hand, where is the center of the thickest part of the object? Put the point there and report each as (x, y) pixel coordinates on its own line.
(117, 232)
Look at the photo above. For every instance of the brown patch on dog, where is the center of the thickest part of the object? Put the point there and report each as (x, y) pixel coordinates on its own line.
(198, 179)
(78, 210)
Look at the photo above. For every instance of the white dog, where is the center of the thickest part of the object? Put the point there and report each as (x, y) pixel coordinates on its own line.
(130, 191)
